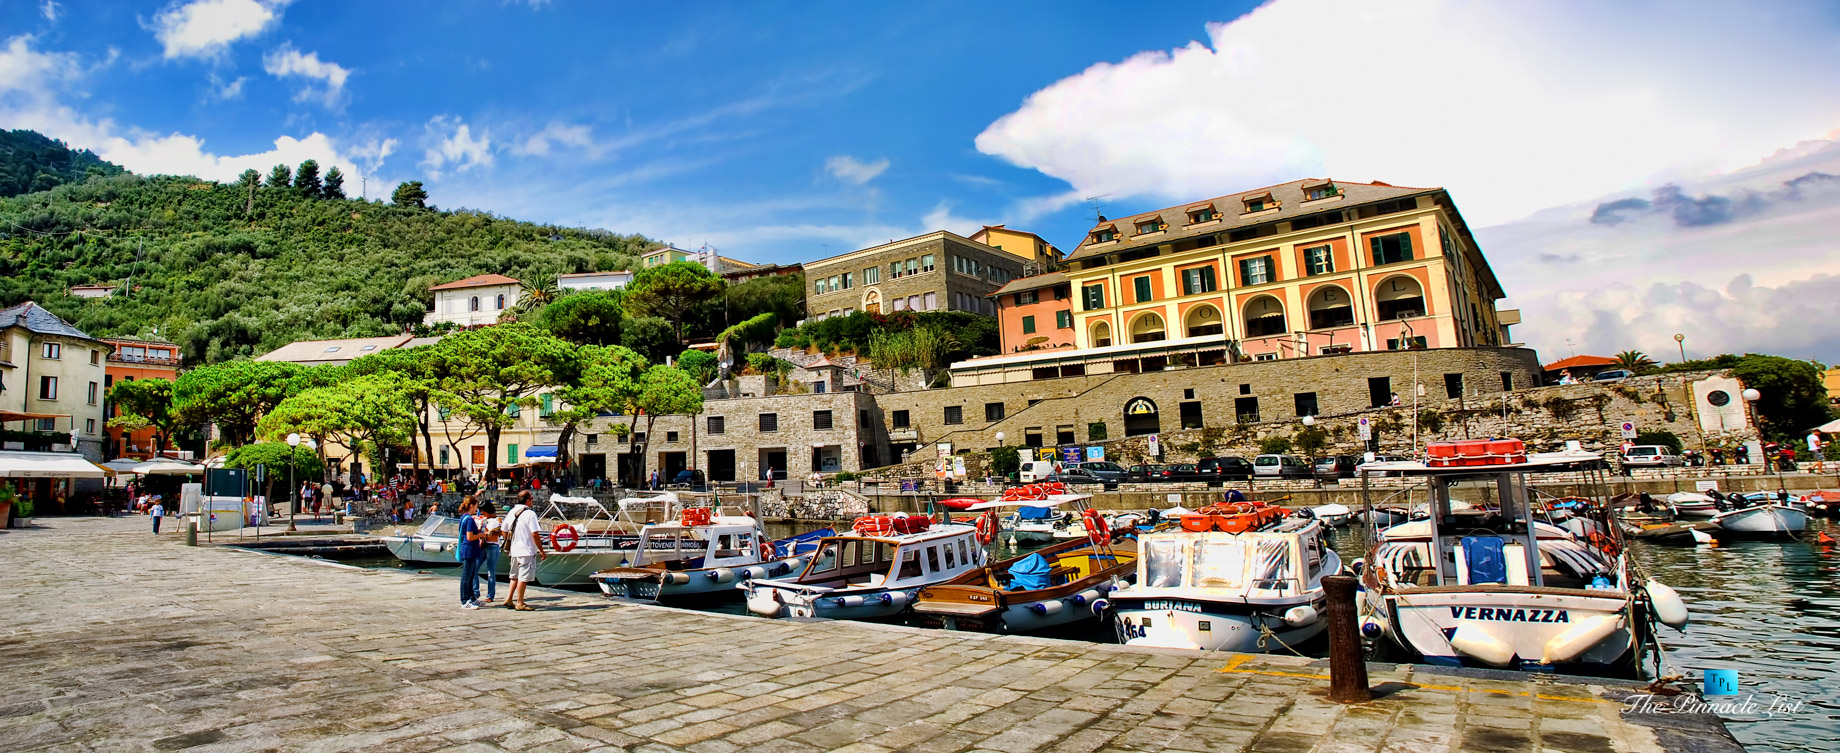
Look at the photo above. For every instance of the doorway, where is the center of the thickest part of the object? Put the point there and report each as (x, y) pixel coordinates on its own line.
(1140, 417)
(593, 466)
(774, 459)
(631, 469)
(673, 462)
(721, 465)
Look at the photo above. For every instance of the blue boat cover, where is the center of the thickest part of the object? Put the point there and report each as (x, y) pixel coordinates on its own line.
(1487, 563)
(1029, 574)
(1034, 513)
(804, 543)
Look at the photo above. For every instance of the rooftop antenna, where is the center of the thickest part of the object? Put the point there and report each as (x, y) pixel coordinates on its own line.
(1571, 348)
(1098, 216)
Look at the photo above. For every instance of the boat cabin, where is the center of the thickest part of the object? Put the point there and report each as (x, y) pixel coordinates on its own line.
(724, 542)
(895, 561)
(1258, 565)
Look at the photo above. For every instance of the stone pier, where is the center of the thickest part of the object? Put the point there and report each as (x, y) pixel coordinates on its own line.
(112, 639)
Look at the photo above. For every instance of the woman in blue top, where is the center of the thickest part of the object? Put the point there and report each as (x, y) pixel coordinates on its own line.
(471, 554)
(488, 560)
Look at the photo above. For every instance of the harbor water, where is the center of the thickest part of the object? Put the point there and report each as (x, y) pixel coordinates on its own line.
(1769, 610)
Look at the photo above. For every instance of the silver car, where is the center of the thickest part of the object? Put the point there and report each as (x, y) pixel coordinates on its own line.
(1280, 466)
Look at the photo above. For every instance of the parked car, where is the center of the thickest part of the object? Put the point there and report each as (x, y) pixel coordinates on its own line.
(1226, 468)
(1147, 473)
(1185, 472)
(1361, 468)
(1280, 466)
(1076, 476)
(690, 478)
(1108, 472)
(1035, 470)
(1335, 467)
(1613, 375)
(1650, 455)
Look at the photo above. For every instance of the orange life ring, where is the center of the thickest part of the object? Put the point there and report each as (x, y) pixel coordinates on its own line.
(767, 552)
(1097, 530)
(565, 537)
(986, 527)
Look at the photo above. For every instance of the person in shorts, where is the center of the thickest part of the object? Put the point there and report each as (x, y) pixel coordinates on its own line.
(526, 547)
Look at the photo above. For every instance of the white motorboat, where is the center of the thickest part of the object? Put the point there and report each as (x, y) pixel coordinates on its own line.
(705, 553)
(1692, 505)
(872, 571)
(1495, 588)
(1767, 520)
(1237, 577)
(1334, 516)
(1033, 525)
(431, 544)
(575, 553)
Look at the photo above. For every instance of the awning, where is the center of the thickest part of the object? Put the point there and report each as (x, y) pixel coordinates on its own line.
(165, 467)
(544, 451)
(9, 416)
(16, 464)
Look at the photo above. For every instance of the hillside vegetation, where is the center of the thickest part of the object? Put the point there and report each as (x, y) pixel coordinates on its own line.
(232, 270)
(30, 162)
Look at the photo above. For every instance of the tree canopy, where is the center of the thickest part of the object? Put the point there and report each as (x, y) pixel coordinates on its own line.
(588, 318)
(1792, 396)
(410, 194)
(673, 291)
(489, 375)
(30, 162)
(147, 403)
(234, 395)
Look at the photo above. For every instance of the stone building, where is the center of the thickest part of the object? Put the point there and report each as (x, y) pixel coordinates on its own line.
(939, 271)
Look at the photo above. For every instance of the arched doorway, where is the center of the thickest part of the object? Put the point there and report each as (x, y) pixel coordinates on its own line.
(1140, 417)
(1265, 317)
(1399, 297)
(1203, 320)
(1331, 306)
(1101, 334)
(1147, 328)
(872, 302)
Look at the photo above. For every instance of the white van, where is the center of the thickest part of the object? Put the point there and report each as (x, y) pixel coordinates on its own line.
(1035, 470)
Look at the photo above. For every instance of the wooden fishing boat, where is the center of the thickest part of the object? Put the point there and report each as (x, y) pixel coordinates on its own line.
(1055, 586)
(704, 554)
(871, 571)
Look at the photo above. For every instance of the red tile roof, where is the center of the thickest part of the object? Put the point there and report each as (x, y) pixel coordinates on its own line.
(477, 281)
(1581, 361)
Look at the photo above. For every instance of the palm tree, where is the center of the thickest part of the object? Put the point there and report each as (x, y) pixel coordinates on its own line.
(539, 290)
(1635, 361)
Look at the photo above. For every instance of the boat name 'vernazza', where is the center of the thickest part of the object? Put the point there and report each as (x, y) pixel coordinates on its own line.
(1510, 615)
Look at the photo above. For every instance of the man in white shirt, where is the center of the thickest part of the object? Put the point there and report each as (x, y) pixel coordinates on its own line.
(526, 549)
(158, 511)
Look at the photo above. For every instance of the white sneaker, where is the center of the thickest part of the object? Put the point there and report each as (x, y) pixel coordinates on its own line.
(469, 605)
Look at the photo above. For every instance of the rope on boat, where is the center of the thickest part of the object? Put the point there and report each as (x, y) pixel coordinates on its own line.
(1265, 633)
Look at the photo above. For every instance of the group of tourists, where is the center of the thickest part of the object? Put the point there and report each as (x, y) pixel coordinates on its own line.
(482, 537)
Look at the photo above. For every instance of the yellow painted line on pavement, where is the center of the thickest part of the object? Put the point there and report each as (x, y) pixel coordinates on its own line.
(1233, 667)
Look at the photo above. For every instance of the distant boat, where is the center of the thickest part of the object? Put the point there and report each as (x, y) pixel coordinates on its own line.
(705, 554)
(1769, 520)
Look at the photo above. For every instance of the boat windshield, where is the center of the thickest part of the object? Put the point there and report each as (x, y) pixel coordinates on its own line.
(1219, 564)
(1162, 564)
(439, 525)
(1274, 564)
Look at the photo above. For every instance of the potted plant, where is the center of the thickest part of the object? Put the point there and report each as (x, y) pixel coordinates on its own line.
(7, 499)
(22, 513)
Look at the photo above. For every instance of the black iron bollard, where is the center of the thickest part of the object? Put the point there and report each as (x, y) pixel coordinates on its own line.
(1347, 664)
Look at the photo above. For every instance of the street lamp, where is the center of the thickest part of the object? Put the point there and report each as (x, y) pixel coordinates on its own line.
(1309, 420)
(1751, 396)
(999, 439)
(293, 441)
(1681, 340)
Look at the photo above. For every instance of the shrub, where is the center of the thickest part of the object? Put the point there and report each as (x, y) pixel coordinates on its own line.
(1274, 445)
(1095, 431)
(1662, 437)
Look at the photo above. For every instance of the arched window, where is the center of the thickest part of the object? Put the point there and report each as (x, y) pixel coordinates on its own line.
(1331, 306)
(1203, 320)
(1399, 297)
(1264, 317)
(473, 304)
(500, 306)
(1101, 334)
(1147, 328)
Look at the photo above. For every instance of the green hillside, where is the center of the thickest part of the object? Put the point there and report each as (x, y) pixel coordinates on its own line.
(30, 162)
(230, 270)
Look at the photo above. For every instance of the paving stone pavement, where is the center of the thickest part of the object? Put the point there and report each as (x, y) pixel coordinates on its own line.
(113, 639)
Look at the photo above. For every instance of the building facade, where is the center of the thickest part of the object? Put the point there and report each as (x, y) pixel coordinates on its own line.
(131, 360)
(1306, 268)
(1036, 253)
(594, 281)
(1035, 313)
(473, 302)
(338, 352)
(52, 374)
(939, 271)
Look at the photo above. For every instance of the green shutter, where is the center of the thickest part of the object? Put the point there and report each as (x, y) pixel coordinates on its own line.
(1373, 244)
(1208, 283)
(1245, 272)
(549, 405)
(1405, 247)
(511, 455)
(1028, 325)
(1063, 319)
(1142, 287)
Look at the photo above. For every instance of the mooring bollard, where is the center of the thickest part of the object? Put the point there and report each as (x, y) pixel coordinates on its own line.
(1347, 664)
(191, 530)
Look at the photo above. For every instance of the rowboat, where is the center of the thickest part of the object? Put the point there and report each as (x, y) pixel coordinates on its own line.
(704, 554)
(1056, 586)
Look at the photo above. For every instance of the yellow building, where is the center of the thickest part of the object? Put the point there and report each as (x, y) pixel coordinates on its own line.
(1832, 378)
(1305, 268)
(666, 255)
(1037, 254)
(52, 379)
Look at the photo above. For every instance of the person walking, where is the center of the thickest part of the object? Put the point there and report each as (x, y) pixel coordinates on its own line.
(470, 552)
(488, 566)
(158, 511)
(526, 550)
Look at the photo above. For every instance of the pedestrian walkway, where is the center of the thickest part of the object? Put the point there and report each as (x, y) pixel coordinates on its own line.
(114, 639)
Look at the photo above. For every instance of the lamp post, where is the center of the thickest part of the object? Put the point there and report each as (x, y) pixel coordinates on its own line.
(1681, 340)
(1751, 396)
(293, 441)
(1309, 421)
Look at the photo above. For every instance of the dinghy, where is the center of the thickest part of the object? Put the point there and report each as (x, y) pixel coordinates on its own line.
(1044, 589)
(704, 554)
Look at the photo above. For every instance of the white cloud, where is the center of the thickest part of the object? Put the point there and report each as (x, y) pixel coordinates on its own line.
(331, 76)
(205, 27)
(1512, 106)
(942, 218)
(580, 137)
(454, 144)
(227, 90)
(50, 10)
(852, 170)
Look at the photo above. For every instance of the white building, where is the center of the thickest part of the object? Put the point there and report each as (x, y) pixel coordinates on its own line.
(474, 301)
(594, 280)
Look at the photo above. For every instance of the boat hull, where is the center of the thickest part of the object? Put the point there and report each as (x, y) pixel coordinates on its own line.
(577, 568)
(1507, 627)
(712, 581)
(418, 550)
(1207, 626)
(1763, 521)
(768, 600)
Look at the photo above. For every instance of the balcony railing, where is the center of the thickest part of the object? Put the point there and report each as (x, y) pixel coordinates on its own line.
(143, 360)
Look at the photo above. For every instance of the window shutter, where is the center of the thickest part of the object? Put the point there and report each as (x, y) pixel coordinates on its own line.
(1405, 247)
(1208, 283)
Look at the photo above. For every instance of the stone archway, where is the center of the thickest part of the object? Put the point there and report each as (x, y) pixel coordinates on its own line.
(872, 301)
(1203, 319)
(1141, 417)
(1148, 327)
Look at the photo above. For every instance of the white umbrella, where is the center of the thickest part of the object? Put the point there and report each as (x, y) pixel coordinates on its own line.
(122, 465)
(1831, 427)
(163, 467)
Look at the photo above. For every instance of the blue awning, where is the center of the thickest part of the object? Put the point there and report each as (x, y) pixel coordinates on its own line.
(540, 451)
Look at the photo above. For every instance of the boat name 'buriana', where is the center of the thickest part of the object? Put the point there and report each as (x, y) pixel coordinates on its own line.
(1510, 615)
(1172, 606)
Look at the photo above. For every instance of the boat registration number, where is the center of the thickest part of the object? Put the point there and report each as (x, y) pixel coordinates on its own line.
(1502, 614)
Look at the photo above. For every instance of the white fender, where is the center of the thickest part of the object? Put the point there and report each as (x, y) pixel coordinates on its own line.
(765, 602)
(678, 579)
(1086, 596)
(796, 563)
(1476, 643)
(723, 575)
(897, 598)
(434, 546)
(1701, 537)
(1300, 615)
(850, 601)
(755, 572)
(1578, 638)
(1670, 609)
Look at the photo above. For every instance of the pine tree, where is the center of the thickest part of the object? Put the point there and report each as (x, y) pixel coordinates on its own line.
(335, 184)
(280, 177)
(410, 194)
(249, 178)
(306, 179)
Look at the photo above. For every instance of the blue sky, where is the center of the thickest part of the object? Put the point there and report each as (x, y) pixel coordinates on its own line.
(787, 132)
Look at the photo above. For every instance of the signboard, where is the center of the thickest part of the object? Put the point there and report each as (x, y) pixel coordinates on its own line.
(1705, 486)
(1629, 430)
(1367, 430)
(1156, 446)
(910, 486)
(1095, 453)
(945, 450)
(958, 467)
(1070, 455)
